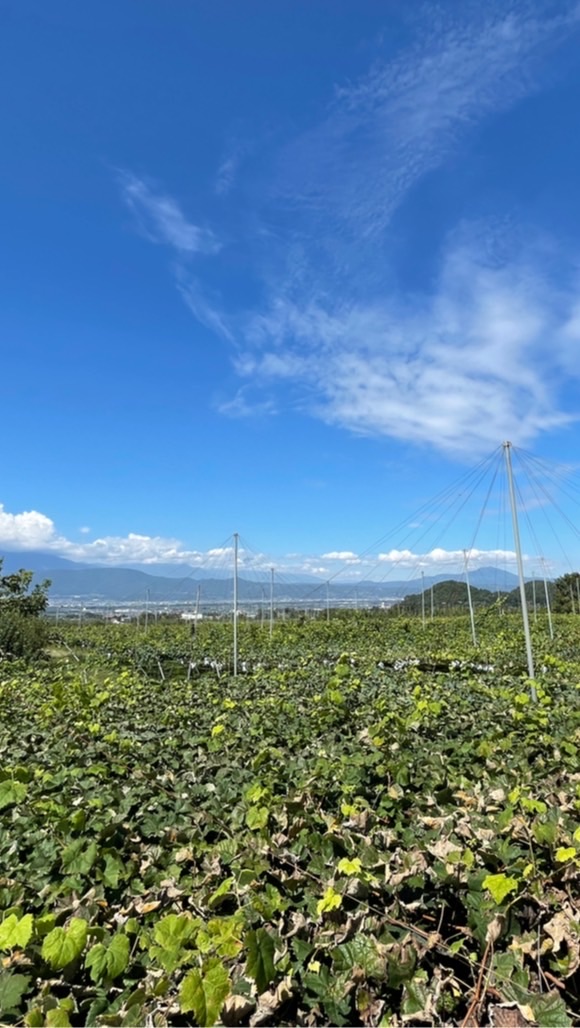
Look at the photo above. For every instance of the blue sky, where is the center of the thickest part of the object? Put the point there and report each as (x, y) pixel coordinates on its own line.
(287, 269)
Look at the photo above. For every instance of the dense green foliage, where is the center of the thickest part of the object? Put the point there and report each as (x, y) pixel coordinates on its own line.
(22, 631)
(450, 597)
(334, 837)
(567, 593)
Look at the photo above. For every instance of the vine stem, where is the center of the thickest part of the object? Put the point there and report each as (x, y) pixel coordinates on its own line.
(479, 990)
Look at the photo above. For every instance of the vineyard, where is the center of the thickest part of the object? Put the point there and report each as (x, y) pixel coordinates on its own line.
(370, 825)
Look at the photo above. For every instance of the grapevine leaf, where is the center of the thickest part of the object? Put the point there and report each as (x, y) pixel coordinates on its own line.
(260, 959)
(550, 1010)
(565, 853)
(58, 1018)
(16, 932)
(257, 817)
(12, 989)
(499, 886)
(349, 867)
(78, 858)
(330, 901)
(204, 993)
(108, 961)
(11, 793)
(63, 945)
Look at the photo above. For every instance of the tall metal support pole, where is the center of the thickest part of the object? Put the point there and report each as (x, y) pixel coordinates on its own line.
(147, 610)
(271, 601)
(548, 605)
(470, 601)
(534, 605)
(508, 462)
(432, 603)
(236, 540)
(578, 592)
(328, 601)
(423, 598)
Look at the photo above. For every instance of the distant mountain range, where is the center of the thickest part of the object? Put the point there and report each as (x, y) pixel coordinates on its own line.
(72, 580)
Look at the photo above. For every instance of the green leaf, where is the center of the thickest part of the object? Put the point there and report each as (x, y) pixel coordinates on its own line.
(260, 960)
(12, 989)
(171, 935)
(545, 832)
(414, 998)
(550, 1010)
(220, 893)
(118, 955)
(108, 961)
(58, 1018)
(565, 853)
(16, 932)
(349, 867)
(204, 993)
(499, 886)
(114, 869)
(63, 945)
(360, 952)
(78, 858)
(172, 931)
(11, 793)
(257, 817)
(34, 1018)
(330, 901)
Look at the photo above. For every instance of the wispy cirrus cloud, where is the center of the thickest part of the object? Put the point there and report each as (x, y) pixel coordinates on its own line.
(482, 352)
(477, 360)
(229, 167)
(162, 220)
(408, 114)
(206, 311)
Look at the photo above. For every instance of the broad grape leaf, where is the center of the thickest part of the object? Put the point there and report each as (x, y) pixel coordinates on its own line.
(499, 886)
(260, 959)
(204, 993)
(550, 1010)
(63, 945)
(11, 793)
(12, 989)
(330, 901)
(78, 858)
(58, 1018)
(349, 867)
(108, 961)
(16, 931)
(257, 817)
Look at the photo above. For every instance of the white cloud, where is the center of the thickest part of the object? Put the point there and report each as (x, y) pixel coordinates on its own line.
(479, 356)
(346, 555)
(438, 556)
(202, 308)
(229, 167)
(480, 359)
(243, 406)
(407, 115)
(162, 220)
(29, 530)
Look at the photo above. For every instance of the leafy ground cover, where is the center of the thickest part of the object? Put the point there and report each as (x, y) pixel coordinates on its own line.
(334, 837)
